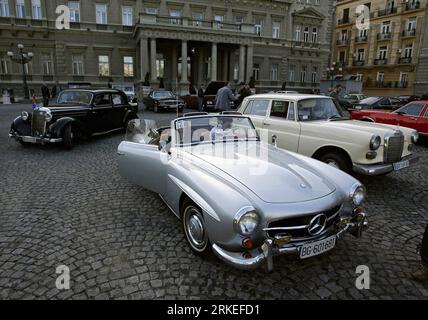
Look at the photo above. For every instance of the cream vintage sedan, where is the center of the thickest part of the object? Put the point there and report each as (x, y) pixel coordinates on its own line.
(315, 126)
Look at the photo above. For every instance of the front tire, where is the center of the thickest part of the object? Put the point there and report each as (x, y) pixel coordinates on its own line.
(68, 137)
(336, 160)
(194, 229)
(156, 109)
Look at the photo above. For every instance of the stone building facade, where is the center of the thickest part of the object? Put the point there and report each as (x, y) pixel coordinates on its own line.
(386, 56)
(274, 41)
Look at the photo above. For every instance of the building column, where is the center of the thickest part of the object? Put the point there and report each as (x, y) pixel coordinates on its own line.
(144, 58)
(184, 75)
(250, 62)
(241, 77)
(153, 53)
(225, 73)
(214, 62)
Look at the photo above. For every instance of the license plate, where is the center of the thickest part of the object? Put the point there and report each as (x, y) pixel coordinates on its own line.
(316, 248)
(401, 165)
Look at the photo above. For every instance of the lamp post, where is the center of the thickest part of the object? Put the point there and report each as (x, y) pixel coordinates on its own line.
(332, 72)
(22, 58)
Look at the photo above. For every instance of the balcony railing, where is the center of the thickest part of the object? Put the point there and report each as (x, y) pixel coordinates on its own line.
(386, 84)
(384, 36)
(386, 12)
(344, 21)
(340, 64)
(409, 33)
(359, 63)
(342, 42)
(380, 61)
(413, 6)
(361, 39)
(405, 60)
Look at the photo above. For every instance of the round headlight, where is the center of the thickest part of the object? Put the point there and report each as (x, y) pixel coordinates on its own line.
(358, 195)
(25, 115)
(375, 143)
(48, 117)
(246, 221)
(415, 137)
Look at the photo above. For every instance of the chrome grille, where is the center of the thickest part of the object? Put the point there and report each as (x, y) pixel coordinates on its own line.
(38, 123)
(394, 146)
(297, 227)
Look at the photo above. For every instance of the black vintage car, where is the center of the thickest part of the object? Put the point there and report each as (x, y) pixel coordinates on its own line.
(77, 113)
(159, 100)
(379, 103)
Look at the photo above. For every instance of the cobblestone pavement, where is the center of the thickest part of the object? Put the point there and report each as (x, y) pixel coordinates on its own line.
(72, 208)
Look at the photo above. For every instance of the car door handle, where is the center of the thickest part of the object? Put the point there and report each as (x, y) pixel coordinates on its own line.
(413, 118)
(266, 124)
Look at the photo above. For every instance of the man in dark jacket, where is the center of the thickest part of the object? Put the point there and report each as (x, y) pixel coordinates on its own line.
(422, 273)
(224, 97)
(46, 95)
(201, 94)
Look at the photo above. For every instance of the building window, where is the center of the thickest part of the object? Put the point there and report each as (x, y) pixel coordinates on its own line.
(314, 77)
(298, 33)
(128, 66)
(344, 35)
(36, 8)
(306, 34)
(197, 18)
(258, 27)
(360, 55)
(256, 72)
(314, 35)
(74, 11)
(239, 19)
(5, 65)
(386, 27)
(380, 77)
(403, 79)
(104, 66)
(4, 8)
(408, 51)
(291, 73)
(303, 74)
(20, 9)
(101, 13)
(77, 62)
(127, 16)
(218, 21)
(160, 68)
(317, 2)
(411, 24)
(360, 77)
(383, 53)
(274, 72)
(276, 29)
(153, 11)
(175, 14)
(362, 33)
(47, 65)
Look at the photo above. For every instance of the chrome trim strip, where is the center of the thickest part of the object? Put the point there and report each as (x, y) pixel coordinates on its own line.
(105, 132)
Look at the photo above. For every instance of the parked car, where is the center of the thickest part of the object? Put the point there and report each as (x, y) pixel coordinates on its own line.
(78, 113)
(211, 94)
(315, 126)
(379, 103)
(159, 100)
(408, 99)
(413, 115)
(302, 207)
(354, 98)
(128, 89)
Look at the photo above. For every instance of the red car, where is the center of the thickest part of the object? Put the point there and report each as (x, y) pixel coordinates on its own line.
(413, 115)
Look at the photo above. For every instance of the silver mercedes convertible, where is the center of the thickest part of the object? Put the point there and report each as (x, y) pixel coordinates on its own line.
(238, 195)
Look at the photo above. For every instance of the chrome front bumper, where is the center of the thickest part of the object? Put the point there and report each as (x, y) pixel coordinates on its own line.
(35, 140)
(382, 168)
(268, 250)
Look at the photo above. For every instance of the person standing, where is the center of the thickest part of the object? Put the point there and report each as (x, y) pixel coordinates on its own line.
(422, 273)
(224, 98)
(56, 90)
(201, 94)
(46, 95)
(244, 93)
(335, 93)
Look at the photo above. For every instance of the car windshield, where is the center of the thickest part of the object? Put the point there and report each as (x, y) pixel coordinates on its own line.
(370, 100)
(75, 97)
(214, 129)
(319, 109)
(163, 95)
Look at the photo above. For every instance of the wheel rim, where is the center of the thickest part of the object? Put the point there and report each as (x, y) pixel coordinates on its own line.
(332, 163)
(194, 228)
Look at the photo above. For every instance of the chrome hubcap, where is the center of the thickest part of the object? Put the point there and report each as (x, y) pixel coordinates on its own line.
(195, 228)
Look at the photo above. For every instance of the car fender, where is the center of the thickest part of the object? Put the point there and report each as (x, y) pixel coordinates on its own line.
(21, 127)
(130, 115)
(57, 128)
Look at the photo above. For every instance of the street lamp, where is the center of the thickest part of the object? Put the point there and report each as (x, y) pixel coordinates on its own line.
(333, 71)
(23, 58)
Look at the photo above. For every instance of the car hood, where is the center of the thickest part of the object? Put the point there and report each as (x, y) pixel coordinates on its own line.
(274, 175)
(169, 100)
(357, 126)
